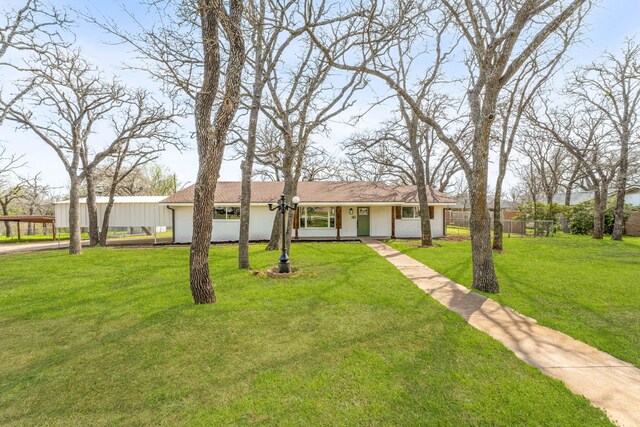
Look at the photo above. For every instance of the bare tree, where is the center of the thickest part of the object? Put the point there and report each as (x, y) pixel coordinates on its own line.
(547, 165)
(141, 129)
(33, 27)
(572, 176)
(518, 95)
(9, 191)
(612, 85)
(64, 97)
(196, 50)
(407, 151)
(71, 99)
(153, 179)
(530, 184)
(499, 39)
(34, 198)
(147, 178)
(319, 165)
(211, 135)
(270, 37)
(304, 96)
(580, 130)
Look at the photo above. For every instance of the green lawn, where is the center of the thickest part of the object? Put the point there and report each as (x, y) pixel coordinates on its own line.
(585, 288)
(24, 238)
(112, 337)
(35, 238)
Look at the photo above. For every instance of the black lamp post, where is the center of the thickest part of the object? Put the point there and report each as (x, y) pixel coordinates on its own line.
(283, 266)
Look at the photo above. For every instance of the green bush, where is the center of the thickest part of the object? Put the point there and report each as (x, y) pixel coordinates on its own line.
(581, 216)
(541, 211)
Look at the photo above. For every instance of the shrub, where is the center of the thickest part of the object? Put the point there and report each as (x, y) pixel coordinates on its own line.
(541, 211)
(581, 216)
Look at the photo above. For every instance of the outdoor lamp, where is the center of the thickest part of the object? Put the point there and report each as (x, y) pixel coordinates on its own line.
(350, 211)
(284, 266)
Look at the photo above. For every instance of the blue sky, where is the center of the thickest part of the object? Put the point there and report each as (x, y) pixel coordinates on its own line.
(608, 25)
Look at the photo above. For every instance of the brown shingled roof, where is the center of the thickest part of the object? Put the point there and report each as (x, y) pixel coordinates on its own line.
(316, 191)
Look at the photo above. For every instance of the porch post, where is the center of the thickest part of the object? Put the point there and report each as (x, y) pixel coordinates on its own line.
(393, 222)
(338, 221)
(444, 221)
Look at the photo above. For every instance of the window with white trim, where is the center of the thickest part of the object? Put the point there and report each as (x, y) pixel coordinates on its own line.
(226, 213)
(317, 217)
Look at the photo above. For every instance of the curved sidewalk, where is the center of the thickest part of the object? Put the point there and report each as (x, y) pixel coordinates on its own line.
(609, 383)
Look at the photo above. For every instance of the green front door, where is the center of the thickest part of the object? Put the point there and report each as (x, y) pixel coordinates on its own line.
(363, 221)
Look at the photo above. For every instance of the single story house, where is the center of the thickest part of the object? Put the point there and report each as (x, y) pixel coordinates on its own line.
(327, 209)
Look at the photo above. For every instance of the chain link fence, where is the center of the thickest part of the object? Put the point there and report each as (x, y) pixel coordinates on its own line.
(458, 223)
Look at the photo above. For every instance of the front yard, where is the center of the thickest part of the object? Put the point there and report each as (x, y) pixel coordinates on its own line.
(112, 337)
(585, 288)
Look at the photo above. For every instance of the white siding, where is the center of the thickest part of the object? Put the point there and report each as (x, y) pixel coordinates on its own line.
(225, 230)
(183, 228)
(262, 221)
(437, 223)
(380, 221)
(349, 222)
(410, 228)
(142, 213)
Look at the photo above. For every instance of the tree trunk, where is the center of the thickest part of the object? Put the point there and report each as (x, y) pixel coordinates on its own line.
(75, 242)
(247, 163)
(421, 184)
(107, 214)
(482, 115)
(549, 206)
(567, 203)
(484, 275)
(92, 208)
(497, 221)
(105, 222)
(425, 218)
(276, 233)
(30, 225)
(211, 137)
(201, 284)
(598, 213)
(535, 215)
(288, 189)
(618, 225)
(7, 224)
(275, 240)
(245, 212)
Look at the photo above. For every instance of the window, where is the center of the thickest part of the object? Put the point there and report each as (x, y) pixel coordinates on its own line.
(226, 213)
(319, 217)
(409, 212)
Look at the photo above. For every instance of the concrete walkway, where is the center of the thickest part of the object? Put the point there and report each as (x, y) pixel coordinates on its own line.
(609, 383)
(6, 248)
